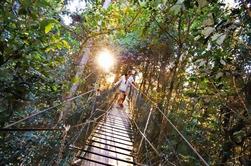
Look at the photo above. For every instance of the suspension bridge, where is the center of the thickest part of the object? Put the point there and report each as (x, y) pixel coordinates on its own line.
(112, 139)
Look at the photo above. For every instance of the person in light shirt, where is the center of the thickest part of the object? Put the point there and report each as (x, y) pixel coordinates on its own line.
(124, 83)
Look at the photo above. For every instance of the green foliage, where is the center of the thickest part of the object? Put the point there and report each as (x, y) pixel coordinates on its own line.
(194, 57)
(33, 48)
(196, 95)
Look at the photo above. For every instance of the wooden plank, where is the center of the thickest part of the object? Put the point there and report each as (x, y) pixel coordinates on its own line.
(111, 157)
(90, 145)
(115, 137)
(98, 162)
(105, 124)
(112, 141)
(116, 124)
(114, 133)
(115, 130)
(130, 150)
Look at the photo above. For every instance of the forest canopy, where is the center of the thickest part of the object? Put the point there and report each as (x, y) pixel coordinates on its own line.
(191, 57)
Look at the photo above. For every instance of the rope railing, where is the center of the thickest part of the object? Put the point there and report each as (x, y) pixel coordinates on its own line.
(30, 129)
(88, 125)
(144, 132)
(172, 125)
(90, 120)
(146, 139)
(75, 131)
(51, 129)
(105, 112)
(47, 109)
(8, 129)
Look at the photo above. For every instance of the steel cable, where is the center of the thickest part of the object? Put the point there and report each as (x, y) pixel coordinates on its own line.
(173, 126)
(47, 109)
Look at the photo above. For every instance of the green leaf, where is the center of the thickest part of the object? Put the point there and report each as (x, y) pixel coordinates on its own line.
(75, 80)
(54, 88)
(66, 44)
(37, 57)
(48, 27)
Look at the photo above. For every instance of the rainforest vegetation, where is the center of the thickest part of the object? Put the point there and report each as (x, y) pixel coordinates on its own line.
(191, 57)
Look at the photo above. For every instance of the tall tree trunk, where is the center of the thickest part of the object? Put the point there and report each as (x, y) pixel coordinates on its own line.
(84, 53)
(180, 41)
(163, 127)
(144, 75)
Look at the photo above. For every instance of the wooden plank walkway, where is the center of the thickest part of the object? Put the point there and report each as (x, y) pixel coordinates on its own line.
(112, 141)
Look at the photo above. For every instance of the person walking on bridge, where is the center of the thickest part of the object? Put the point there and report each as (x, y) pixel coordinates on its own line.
(124, 83)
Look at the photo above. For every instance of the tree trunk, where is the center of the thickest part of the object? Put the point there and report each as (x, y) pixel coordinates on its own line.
(169, 96)
(144, 76)
(85, 51)
(173, 79)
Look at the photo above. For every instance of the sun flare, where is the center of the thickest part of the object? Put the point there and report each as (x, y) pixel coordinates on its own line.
(106, 60)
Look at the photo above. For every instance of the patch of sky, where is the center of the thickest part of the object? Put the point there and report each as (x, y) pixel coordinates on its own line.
(72, 6)
(230, 3)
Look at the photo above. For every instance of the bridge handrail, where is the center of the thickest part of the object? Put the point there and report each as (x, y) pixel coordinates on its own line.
(47, 109)
(172, 125)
